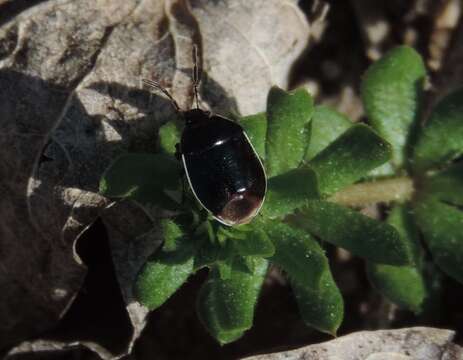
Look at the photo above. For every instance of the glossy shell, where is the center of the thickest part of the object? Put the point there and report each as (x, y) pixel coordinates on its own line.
(222, 168)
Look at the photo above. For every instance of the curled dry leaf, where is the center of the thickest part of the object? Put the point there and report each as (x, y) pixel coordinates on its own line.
(71, 101)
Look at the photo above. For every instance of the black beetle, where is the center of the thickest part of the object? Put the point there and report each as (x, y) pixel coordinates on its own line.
(223, 170)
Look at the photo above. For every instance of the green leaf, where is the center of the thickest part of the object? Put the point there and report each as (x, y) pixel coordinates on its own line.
(403, 285)
(255, 127)
(305, 263)
(297, 253)
(227, 306)
(208, 313)
(321, 307)
(149, 179)
(225, 268)
(327, 125)
(442, 227)
(207, 255)
(173, 235)
(446, 185)
(289, 191)
(401, 218)
(163, 275)
(391, 92)
(365, 237)
(251, 263)
(289, 115)
(256, 243)
(441, 139)
(210, 252)
(169, 136)
(349, 158)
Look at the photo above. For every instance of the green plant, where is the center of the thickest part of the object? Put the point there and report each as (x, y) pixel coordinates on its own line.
(320, 166)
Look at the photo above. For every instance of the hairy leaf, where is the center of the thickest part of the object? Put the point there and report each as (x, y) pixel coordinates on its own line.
(365, 237)
(289, 115)
(146, 178)
(321, 307)
(226, 307)
(224, 268)
(441, 139)
(169, 136)
(401, 218)
(446, 185)
(255, 243)
(297, 253)
(326, 126)
(163, 275)
(403, 285)
(289, 191)
(442, 227)
(172, 234)
(209, 252)
(391, 91)
(255, 127)
(208, 313)
(349, 158)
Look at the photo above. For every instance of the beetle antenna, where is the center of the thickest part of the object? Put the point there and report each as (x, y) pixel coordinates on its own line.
(196, 74)
(154, 85)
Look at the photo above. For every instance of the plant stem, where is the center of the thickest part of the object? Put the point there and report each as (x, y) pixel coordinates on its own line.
(379, 191)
